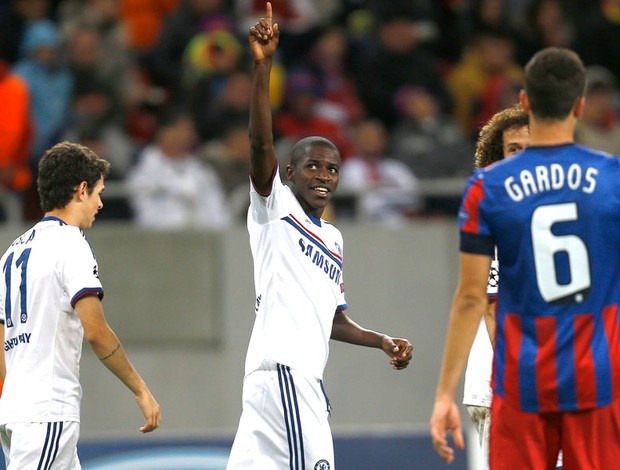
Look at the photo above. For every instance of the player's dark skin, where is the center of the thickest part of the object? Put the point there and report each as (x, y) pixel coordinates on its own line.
(314, 177)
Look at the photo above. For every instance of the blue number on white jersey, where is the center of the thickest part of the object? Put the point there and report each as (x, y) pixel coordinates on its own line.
(22, 264)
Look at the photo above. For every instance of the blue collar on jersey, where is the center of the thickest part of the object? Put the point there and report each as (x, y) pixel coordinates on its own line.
(51, 217)
(314, 220)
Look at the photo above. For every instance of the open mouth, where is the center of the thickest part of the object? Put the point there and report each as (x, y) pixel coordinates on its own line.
(321, 190)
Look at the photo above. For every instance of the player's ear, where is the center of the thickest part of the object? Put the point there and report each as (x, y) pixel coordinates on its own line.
(290, 173)
(578, 108)
(525, 101)
(81, 190)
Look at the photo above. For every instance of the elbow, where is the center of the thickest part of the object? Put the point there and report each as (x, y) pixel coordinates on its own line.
(95, 336)
(260, 145)
(469, 301)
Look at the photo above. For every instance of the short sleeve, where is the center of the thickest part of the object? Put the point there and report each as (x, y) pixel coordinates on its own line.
(475, 234)
(265, 208)
(79, 270)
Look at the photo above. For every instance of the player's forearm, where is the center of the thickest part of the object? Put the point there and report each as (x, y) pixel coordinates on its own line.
(346, 330)
(110, 352)
(464, 320)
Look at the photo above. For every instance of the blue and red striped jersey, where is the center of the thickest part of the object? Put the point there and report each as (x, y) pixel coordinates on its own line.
(554, 215)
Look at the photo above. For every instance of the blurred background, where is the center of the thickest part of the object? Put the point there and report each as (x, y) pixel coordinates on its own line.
(161, 89)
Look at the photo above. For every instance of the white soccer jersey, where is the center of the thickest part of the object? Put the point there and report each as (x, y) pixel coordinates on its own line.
(477, 389)
(298, 281)
(45, 271)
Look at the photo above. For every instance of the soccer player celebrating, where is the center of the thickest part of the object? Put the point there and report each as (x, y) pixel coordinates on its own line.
(299, 292)
(50, 298)
(554, 213)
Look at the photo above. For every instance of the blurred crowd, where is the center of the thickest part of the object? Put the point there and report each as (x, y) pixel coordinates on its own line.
(161, 89)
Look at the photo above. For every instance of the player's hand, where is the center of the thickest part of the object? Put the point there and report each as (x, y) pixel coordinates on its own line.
(264, 36)
(150, 409)
(400, 350)
(446, 417)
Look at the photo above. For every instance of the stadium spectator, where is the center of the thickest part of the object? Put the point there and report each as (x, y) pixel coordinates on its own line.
(170, 188)
(226, 100)
(427, 139)
(599, 126)
(386, 188)
(487, 70)
(15, 131)
(229, 155)
(398, 59)
(546, 23)
(49, 81)
(13, 22)
(100, 36)
(338, 96)
(143, 20)
(165, 59)
(93, 118)
(597, 39)
(300, 114)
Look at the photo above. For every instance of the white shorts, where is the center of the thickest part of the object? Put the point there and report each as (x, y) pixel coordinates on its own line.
(481, 417)
(284, 423)
(43, 446)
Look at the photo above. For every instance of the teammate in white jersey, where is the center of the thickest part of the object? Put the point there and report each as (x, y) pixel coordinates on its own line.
(299, 292)
(504, 135)
(50, 298)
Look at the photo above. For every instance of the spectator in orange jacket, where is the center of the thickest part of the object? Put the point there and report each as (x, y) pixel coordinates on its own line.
(15, 131)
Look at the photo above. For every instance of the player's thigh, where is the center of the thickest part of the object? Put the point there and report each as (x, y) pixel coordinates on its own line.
(519, 440)
(45, 446)
(591, 439)
(283, 423)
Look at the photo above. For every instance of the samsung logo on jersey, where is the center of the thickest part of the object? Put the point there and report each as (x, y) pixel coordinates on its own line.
(321, 260)
(548, 178)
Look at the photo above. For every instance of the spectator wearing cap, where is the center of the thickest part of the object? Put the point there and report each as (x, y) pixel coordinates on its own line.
(49, 81)
(599, 125)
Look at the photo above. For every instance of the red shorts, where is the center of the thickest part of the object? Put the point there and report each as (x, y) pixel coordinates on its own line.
(521, 440)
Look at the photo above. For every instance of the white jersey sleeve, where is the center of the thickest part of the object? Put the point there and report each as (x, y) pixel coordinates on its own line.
(79, 270)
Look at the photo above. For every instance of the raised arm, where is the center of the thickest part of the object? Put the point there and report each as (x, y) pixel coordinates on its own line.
(108, 349)
(263, 38)
(346, 330)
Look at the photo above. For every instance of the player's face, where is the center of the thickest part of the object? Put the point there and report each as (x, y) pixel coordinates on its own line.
(92, 205)
(315, 178)
(515, 140)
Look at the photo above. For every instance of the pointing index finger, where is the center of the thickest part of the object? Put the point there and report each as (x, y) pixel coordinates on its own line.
(269, 13)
